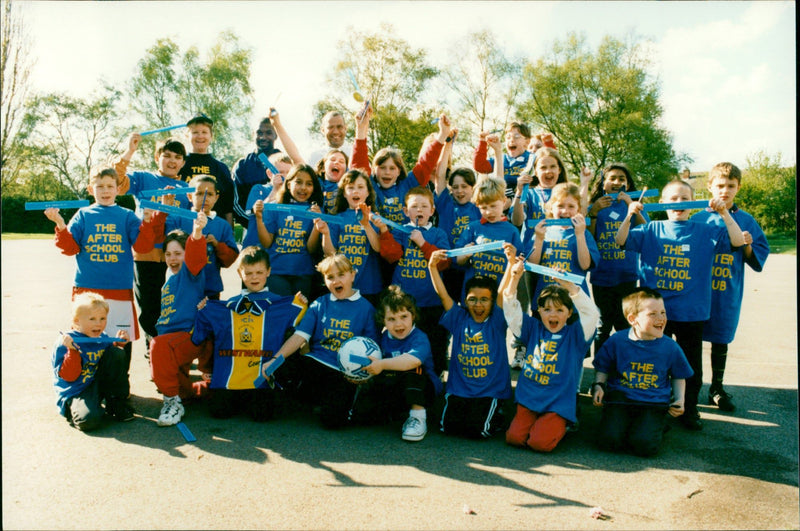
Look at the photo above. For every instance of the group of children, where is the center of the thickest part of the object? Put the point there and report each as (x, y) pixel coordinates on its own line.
(357, 226)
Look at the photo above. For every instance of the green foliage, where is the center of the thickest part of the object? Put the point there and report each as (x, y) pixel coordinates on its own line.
(169, 88)
(394, 76)
(601, 107)
(769, 193)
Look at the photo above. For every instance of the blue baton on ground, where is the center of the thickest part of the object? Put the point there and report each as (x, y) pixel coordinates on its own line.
(44, 205)
(267, 164)
(172, 210)
(392, 224)
(550, 272)
(163, 129)
(158, 192)
(679, 205)
(302, 211)
(637, 194)
(185, 432)
(491, 246)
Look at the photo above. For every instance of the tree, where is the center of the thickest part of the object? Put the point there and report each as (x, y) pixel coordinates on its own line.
(601, 107)
(394, 76)
(769, 192)
(66, 136)
(15, 70)
(169, 88)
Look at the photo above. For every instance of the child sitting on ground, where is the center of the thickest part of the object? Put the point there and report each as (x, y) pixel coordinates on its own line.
(555, 346)
(88, 372)
(641, 374)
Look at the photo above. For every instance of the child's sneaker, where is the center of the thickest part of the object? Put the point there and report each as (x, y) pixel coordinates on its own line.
(171, 412)
(721, 399)
(119, 410)
(519, 357)
(414, 429)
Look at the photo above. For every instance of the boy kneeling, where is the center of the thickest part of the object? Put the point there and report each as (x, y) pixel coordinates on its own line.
(646, 375)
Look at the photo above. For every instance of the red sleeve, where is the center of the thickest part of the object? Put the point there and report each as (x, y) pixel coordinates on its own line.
(149, 231)
(427, 251)
(225, 254)
(66, 242)
(360, 158)
(427, 162)
(551, 144)
(480, 163)
(391, 251)
(70, 366)
(196, 256)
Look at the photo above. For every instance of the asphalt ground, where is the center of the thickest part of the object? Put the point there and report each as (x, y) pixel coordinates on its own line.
(740, 472)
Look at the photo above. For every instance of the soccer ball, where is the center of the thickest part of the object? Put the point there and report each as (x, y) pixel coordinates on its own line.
(353, 357)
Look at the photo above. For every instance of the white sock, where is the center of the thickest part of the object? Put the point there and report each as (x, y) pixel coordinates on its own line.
(420, 414)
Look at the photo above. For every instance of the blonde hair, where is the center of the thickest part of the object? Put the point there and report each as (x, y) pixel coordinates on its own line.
(488, 191)
(87, 301)
(336, 262)
(560, 192)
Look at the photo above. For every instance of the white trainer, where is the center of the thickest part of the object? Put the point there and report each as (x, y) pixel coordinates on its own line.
(519, 357)
(414, 429)
(171, 412)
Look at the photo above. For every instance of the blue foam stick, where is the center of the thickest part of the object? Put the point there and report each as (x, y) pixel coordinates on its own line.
(561, 222)
(172, 210)
(491, 246)
(158, 192)
(185, 432)
(275, 364)
(88, 340)
(361, 360)
(550, 272)
(302, 211)
(267, 164)
(527, 171)
(392, 224)
(637, 194)
(154, 131)
(44, 205)
(353, 80)
(679, 205)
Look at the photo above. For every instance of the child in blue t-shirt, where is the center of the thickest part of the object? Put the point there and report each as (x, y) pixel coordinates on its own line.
(518, 136)
(330, 321)
(727, 276)
(290, 239)
(478, 377)
(411, 251)
(555, 344)
(616, 272)
(640, 375)
(406, 377)
(676, 257)
(222, 248)
(172, 351)
(89, 367)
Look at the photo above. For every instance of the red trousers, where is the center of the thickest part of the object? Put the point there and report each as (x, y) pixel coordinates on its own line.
(540, 432)
(171, 357)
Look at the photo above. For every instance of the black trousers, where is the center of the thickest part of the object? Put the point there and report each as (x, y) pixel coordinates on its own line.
(149, 278)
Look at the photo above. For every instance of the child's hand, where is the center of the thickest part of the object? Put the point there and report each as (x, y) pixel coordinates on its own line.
(147, 215)
(444, 126)
(597, 395)
(482, 135)
(579, 223)
(212, 240)
(201, 221)
(417, 237)
(124, 336)
(267, 364)
(322, 227)
(274, 117)
(522, 180)
(493, 140)
(275, 179)
(604, 202)
(635, 207)
(374, 368)
(676, 408)
(366, 212)
(718, 205)
(258, 208)
(378, 222)
(437, 257)
(510, 251)
(571, 287)
(517, 266)
(168, 199)
(586, 176)
(748, 238)
(202, 303)
(315, 208)
(53, 215)
(622, 196)
(540, 229)
(453, 134)
(67, 341)
(133, 142)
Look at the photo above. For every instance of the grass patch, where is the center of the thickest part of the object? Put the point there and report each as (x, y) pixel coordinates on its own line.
(26, 236)
(782, 243)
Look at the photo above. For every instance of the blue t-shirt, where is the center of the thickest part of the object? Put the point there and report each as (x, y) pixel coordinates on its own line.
(533, 202)
(222, 231)
(247, 331)
(551, 368)
(675, 258)
(105, 235)
(145, 180)
(351, 240)
(329, 191)
(560, 250)
(615, 265)
(642, 370)
(727, 275)
(330, 322)
(180, 295)
(453, 218)
(389, 201)
(416, 343)
(512, 168)
(479, 358)
(490, 264)
(411, 272)
(247, 172)
(90, 358)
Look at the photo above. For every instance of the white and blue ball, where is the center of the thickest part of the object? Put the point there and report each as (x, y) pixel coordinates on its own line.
(353, 357)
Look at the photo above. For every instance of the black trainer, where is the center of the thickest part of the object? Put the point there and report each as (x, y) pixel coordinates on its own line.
(721, 399)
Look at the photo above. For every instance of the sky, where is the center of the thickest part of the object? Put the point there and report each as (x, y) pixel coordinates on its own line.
(726, 70)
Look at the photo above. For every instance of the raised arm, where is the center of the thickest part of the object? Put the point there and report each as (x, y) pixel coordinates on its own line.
(440, 184)
(734, 231)
(436, 279)
(634, 208)
(286, 140)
